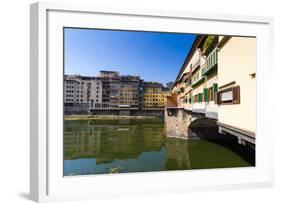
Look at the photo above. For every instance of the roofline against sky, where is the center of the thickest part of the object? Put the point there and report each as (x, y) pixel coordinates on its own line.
(189, 55)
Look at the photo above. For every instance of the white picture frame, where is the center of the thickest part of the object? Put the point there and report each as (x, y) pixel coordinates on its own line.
(46, 179)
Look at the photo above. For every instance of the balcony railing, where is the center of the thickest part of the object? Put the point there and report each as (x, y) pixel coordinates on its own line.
(197, 82)
(211, 62)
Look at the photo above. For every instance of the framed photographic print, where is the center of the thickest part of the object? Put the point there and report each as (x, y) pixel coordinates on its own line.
(127, 102)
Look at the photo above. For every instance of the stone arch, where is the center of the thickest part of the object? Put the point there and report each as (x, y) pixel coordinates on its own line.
(203, 127)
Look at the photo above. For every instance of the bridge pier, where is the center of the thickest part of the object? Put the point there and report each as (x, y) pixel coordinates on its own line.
(177, 122)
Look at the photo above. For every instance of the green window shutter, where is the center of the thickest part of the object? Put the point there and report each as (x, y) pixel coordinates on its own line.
(206, 97)
(200, 97)
(215, 92)
(215, 87)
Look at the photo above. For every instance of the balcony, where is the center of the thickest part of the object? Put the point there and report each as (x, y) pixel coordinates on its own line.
(197, 82)
(211, 63)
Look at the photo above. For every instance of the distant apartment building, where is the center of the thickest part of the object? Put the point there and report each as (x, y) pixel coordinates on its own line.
(108, 74)
(153, 96)
(107, 78)
(111, 91)
(125, 92)
(81, 93)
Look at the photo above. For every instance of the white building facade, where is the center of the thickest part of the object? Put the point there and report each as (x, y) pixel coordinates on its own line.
(81, 93)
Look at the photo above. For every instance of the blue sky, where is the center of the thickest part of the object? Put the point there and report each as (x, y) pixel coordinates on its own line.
(152, 55)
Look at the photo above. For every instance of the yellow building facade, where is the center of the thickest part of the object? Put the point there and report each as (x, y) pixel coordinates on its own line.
(153, 96)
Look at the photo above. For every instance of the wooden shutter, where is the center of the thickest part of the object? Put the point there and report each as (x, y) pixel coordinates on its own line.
(217, 97)
(236, 95)
(206, 97)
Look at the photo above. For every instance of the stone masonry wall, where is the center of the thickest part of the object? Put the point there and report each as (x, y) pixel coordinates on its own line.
(176, 123)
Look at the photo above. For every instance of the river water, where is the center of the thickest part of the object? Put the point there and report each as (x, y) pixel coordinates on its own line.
(140, 145)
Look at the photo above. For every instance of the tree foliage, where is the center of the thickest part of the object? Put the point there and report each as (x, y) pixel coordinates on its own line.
(208, 41)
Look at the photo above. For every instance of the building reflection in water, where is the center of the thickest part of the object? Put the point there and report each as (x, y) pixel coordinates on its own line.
(115, 140)
(92, 147)
(177, 154)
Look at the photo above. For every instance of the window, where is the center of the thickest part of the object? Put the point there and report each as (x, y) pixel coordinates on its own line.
(229, 96)
(211, 94)
(196, 98)
(226, 96)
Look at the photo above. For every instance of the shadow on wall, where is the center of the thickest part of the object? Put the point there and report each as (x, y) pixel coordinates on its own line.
(204, 128)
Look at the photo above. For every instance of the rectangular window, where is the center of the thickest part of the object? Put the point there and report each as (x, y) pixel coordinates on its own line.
(229, 96)
(211, 94)
(196, 98)
(226, 96)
